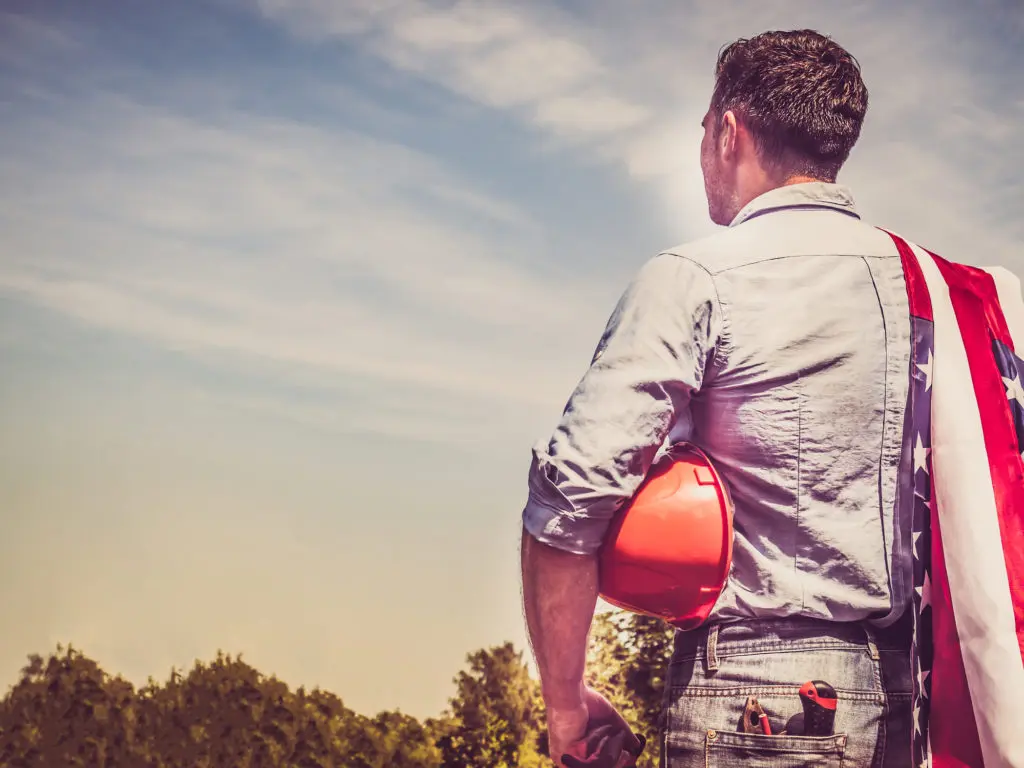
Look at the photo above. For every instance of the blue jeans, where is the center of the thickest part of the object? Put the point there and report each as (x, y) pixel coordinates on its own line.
(715, 668)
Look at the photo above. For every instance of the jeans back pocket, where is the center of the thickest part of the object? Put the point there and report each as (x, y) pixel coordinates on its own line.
(725, 748)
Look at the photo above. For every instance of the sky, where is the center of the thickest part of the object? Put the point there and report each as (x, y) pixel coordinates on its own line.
(289, 289)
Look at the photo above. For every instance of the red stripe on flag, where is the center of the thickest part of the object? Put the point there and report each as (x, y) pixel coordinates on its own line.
(952, 729)
(983, 285)
(979, 317)
(976, 303)
(917, 288)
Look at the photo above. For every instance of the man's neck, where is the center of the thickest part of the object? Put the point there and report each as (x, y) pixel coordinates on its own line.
(801, 180)
(765, 184)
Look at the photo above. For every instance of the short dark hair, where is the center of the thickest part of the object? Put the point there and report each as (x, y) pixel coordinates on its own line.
(801, 96)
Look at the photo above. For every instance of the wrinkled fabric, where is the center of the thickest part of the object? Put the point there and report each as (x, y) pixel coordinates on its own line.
(780, 346)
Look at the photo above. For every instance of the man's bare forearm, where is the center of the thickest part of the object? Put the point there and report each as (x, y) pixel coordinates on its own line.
(559, 595)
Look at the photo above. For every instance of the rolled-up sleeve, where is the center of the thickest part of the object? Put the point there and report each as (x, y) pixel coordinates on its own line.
(648, 364)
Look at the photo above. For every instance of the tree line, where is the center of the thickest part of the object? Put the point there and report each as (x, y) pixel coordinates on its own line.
(66, 711)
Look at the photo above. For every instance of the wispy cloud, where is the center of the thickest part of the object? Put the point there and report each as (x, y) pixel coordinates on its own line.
(312, 246)
(501, 56)
(324, 250)
(631, 87)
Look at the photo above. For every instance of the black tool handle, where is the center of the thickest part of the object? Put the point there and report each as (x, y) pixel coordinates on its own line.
(819, 701)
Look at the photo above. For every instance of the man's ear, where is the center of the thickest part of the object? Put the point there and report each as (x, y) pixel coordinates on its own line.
(728, 137)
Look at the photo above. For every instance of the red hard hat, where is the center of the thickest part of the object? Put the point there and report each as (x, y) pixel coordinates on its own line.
(669, 550)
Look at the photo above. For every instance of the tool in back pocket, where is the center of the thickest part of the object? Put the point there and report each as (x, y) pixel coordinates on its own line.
(754, 718)
(819, 701)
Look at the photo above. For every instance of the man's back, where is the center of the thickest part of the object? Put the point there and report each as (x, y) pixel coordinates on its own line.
(801, 407)
(781, 347)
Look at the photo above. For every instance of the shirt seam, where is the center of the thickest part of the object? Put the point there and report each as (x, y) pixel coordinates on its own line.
(895, 460)
(718, 356)
(799, 488)
(894, 574)
(781, 257)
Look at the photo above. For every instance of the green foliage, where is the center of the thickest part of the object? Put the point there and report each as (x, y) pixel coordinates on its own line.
(66, 711)
(496, 713)
(628, 658)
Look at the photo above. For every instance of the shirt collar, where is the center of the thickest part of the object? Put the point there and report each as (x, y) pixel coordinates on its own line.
(813, 194)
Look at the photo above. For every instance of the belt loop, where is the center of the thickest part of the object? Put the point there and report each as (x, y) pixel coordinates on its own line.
(712, 649)
(872, 647)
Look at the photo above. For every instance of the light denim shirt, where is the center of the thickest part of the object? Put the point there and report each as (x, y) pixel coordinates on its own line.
(781, 347)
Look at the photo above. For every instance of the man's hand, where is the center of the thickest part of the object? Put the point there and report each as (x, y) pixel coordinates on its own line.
(592, 735)
(566, 727)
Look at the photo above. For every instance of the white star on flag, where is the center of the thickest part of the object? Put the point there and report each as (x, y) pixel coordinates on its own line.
(926, 369)
(920, 455)
(1014, 391)
(925, 591)
(922, 673)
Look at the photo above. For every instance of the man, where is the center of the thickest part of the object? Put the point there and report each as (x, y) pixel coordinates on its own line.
(780, 346)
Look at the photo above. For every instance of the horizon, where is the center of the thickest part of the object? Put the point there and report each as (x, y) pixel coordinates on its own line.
(288, 291)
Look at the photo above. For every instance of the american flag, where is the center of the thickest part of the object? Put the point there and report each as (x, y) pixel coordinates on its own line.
(965, 425)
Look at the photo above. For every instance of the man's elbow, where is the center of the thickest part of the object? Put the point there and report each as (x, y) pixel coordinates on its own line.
(544, 555)
(567, 533)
